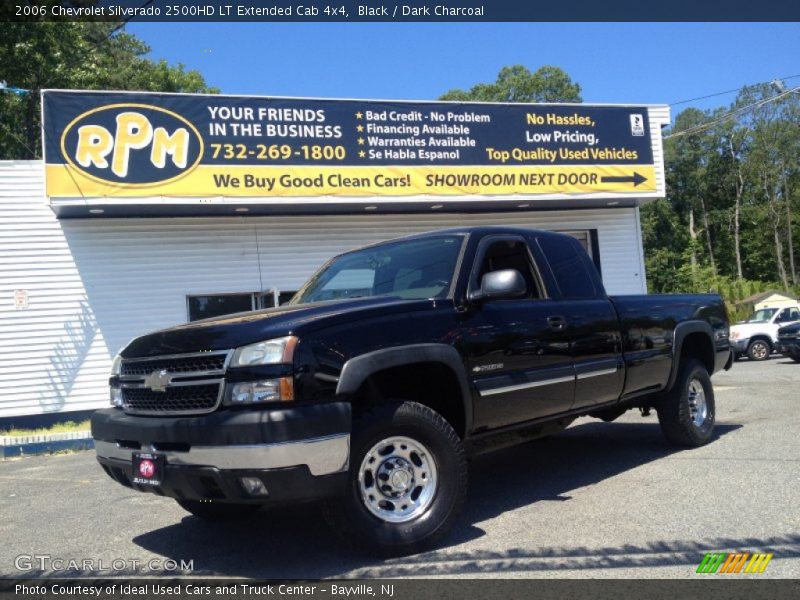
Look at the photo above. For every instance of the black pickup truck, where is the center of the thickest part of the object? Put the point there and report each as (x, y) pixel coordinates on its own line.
(789, 341)
(393, 364)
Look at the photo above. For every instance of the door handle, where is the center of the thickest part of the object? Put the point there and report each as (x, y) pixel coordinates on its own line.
(557, 323)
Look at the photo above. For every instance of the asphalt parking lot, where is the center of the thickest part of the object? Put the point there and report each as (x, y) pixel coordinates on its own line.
(598, 500)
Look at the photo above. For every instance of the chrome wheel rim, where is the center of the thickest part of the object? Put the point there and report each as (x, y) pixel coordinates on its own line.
(759, 350)
(698, 407)
(397, 479)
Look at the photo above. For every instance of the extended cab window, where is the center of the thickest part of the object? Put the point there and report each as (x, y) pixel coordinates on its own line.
(411, 269)
(568, 267)
(510, 254)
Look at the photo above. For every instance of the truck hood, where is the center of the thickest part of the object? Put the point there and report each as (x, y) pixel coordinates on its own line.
(240, 329)
(746, 330)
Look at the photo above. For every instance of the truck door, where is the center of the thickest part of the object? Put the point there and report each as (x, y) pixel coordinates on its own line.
(590, 322)
(517, 356)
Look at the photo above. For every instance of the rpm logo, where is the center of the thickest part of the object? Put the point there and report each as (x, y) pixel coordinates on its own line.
(147, 468)
(132, 145)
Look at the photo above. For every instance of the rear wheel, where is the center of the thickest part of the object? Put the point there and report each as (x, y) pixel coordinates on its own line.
(759, 350)
(407, 481)
(795, 357)
(687, 412)
(218, 511)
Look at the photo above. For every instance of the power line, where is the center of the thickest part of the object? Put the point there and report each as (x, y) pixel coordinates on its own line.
(730, 115)
(731, 91)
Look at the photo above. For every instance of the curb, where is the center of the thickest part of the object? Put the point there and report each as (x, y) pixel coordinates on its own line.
(27, 445)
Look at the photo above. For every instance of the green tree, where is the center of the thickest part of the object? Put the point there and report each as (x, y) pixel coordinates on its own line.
(686, 162)
(733, 190)
(518, 84)
(72, 55)
(666, 242)
(773, 169)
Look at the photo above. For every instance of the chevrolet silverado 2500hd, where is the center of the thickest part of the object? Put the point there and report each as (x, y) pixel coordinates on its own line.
(392, 365)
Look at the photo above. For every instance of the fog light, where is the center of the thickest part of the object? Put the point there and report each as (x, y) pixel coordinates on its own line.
(116, 397)
(254, 486)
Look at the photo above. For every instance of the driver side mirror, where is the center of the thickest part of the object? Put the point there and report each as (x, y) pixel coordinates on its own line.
(500, 285)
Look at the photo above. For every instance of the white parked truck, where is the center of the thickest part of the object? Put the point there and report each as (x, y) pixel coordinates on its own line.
(756, 337)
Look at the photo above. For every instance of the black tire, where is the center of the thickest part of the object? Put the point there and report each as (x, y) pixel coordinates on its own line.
(218, 511)
(795, 357)
(350, 516)
(676, 414)
(759, 350)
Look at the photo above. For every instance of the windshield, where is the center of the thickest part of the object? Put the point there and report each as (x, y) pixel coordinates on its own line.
(409, 269)
(761, 316)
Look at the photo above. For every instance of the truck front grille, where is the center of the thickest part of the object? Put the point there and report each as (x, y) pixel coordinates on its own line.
(178, 384)
(183, 399)
(210, 362)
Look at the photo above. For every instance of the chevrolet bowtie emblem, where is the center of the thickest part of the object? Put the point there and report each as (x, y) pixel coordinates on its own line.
(158, 380)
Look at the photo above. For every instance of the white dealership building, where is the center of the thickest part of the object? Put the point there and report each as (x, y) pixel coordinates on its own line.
(82, 276)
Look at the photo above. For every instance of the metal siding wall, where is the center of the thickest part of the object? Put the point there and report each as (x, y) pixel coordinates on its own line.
(95, 283)
(52, 355)
(659, 117)
(292, 247)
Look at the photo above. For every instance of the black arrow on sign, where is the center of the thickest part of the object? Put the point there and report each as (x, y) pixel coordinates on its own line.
(635, 179)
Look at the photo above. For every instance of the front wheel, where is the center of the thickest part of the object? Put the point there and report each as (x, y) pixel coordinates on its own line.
(758, 350)
(407, 480)
(687, 412)
(795, 357)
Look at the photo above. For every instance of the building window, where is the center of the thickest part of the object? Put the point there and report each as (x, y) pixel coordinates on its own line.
(273, 298)
(584, 237)
(215, 305)
(284, 297)
(588, 239)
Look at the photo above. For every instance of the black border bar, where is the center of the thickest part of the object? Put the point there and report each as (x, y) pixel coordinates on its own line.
(730, 588)
(403, 11)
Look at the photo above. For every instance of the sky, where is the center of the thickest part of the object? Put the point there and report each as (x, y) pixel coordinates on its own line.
(625, 63)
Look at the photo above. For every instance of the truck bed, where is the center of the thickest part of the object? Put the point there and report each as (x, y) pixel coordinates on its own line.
(649, 323)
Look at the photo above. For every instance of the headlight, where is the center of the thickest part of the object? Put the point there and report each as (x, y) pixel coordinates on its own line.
(116, 366)
(269, 352)
(735, 335)
(254, 392)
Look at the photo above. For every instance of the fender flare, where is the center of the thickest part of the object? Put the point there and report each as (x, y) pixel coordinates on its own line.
(681, 331)
(356, 370)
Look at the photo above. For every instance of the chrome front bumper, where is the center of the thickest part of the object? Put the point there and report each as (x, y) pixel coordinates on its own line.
(740, 344)
(322, 455)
